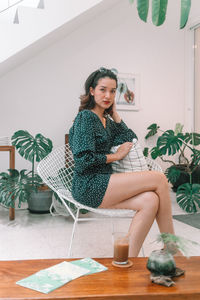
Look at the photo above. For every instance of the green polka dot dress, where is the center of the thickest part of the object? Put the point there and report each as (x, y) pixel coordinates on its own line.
(90, 142)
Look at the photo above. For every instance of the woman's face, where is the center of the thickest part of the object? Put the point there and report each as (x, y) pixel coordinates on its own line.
(104, 93)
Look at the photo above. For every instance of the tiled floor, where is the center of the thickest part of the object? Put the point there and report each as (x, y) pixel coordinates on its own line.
(32, 236)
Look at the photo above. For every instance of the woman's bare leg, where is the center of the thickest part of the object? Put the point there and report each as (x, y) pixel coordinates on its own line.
(141, 191)
(146, 204)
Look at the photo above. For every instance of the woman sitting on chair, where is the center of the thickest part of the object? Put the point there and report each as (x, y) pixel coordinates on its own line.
(96, 129)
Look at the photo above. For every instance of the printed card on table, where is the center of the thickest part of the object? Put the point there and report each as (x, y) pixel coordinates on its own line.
(90, 264)
(51, 278)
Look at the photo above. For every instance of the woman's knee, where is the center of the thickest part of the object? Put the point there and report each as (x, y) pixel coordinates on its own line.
(160, 178)
(150, 201)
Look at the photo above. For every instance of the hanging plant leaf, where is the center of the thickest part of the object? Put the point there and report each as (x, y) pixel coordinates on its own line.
(30, 147)
(153, 129)
(143, 8)
(168, 143)
(188, 197)
(159, 8)
(185, 10)
(131, 1)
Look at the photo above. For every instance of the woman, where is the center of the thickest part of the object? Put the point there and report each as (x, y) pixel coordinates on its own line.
(96, 129)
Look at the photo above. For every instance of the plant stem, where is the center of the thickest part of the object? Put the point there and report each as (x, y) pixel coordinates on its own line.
(190, 174)
(33, 166)
(166, 160)
(182, 154)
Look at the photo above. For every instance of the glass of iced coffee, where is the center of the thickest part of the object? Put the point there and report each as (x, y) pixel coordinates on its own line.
(121, 248)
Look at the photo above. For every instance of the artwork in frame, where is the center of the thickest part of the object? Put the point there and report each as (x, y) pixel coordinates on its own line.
(127, 95)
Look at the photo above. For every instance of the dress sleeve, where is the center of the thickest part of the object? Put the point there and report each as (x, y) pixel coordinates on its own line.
(121, 133)
(83, 144)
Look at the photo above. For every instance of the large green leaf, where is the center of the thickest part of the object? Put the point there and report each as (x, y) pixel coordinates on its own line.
(155, 152)
(159, 8)
(185, 10)
(153, 129)
(169, 143)
(195, 157)
(188, 197)
(193, 138)
(172, 173)
(15, 185)
(30, 147)
(143, 8)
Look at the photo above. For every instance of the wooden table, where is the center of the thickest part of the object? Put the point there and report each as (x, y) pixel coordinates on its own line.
(115, 283)
(11, 150)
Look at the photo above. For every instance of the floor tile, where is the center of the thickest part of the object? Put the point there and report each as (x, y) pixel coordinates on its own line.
(34, 236)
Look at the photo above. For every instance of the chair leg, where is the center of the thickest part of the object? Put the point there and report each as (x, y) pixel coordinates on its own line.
(73, 231)
(143, 254)
(112, 225)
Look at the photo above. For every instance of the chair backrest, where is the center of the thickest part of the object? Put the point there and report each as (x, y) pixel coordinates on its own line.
(56, 169)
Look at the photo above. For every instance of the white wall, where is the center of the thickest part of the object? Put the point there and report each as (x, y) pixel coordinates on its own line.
(36, 23)
(42, 95)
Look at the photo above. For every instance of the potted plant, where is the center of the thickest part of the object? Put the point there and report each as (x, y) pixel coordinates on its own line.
(184, 175)
(161, 263)
(27, 186)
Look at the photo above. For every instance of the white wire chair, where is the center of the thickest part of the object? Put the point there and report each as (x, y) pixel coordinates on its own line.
(56, 170)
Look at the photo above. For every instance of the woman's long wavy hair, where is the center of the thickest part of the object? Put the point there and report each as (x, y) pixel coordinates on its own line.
(87, 100)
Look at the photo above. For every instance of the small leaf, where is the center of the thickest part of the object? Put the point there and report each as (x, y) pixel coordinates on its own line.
(178, 128)
(185, 10)
(146, 152)
(131, 1)
(153, 129)
(143, 8)
(159, 8)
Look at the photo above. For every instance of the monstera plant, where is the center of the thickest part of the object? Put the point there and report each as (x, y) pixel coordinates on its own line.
(20, 185)
(159, 10)
(33, 149)
(184, 175)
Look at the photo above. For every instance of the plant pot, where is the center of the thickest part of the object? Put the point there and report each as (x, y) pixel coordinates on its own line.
(185, 178)
(161, 263)
(39, 202)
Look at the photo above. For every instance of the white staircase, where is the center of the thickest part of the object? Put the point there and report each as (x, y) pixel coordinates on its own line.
(38, 28)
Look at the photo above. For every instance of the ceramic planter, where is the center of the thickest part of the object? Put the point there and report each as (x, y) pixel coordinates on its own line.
(40, 201)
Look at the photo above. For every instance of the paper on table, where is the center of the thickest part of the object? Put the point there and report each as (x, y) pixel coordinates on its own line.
(51, 278)
(90, 264)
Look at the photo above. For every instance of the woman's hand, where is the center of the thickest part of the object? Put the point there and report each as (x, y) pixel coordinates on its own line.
(123, 150)
(115, 116)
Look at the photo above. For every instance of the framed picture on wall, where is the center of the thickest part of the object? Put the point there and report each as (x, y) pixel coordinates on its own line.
(127, 95)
